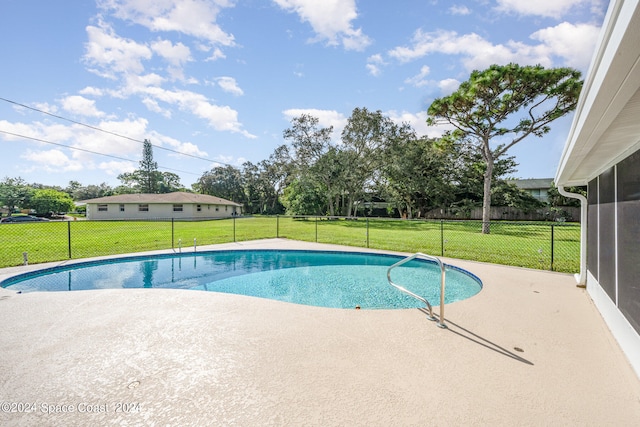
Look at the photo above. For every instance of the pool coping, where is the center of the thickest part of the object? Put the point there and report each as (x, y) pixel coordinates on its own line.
(529, 349)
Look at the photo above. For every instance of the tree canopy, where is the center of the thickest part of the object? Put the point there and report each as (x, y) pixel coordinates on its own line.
(502, 105)
(51, 201)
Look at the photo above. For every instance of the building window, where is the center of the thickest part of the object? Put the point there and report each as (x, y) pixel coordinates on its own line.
(143, 208)
(102, 208)
(225, 207)
(217, 208)
(121, 208)
(199, 208)
(177, 208)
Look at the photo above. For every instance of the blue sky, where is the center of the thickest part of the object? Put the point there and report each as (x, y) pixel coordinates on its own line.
(219, 80)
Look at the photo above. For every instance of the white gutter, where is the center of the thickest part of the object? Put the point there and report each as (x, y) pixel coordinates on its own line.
(581, 278)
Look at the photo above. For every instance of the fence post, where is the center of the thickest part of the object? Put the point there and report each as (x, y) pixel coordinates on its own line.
(69, 237)
(367, 232)
(172, 234)
(234, 229)
(442, 237)
(316, 229)
(552, 245)
(277, 226)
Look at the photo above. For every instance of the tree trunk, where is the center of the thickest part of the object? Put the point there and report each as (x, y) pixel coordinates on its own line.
(350, 210)
(409, 215)
(330, 203)
(486, 201)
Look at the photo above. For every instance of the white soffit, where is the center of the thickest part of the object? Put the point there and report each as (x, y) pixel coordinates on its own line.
(606, 127)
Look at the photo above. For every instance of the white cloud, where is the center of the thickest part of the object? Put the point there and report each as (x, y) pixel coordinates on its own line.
(115, 168)
(81, 106)
(374, 69)
(222, 160)
(112, 55)
(116, 57)
(573, 42)
(152, 105)
(419, 79)
(459, 10)
(180, 146)
(229, 84)
(547, 8)
(448, 86)
(135, 84)
(325, 118)
(60, 159)
(330, 20)
(418, 122)
(475, 50)
(196, 18)
(216, 54)
(176, 54)
(374, 63)
(52, 161)
(91, 91)
(222, 118)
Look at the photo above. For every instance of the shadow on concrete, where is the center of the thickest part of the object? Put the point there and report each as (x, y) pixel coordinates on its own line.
(467, 334)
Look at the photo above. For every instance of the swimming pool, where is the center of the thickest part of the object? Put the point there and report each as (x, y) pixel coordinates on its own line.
(319, 278)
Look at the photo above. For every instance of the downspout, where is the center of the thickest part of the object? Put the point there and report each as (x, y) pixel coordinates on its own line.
(581, 278)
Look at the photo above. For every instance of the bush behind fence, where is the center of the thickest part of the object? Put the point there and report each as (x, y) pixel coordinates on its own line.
(549, 246)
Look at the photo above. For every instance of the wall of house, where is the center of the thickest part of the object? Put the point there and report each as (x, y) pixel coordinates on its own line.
(613, 251)
(158, 211)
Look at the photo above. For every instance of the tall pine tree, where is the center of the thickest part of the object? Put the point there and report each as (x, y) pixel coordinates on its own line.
(148, 169)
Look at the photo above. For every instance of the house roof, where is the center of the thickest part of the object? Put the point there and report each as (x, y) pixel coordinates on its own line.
(533, 183)
(177, 197)
(605, 127)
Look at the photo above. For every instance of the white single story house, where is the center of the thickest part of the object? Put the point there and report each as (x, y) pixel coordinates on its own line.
(603, 152)
(178, 205)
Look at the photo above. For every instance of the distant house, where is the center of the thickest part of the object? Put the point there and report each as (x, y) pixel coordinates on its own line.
(603, 152)
(170, 205)
(538, 188)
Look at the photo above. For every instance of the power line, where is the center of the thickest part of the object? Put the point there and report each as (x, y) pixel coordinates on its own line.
(109, 132)
(87, 151)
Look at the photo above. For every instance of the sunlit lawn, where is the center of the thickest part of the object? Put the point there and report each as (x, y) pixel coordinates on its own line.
(518, 244)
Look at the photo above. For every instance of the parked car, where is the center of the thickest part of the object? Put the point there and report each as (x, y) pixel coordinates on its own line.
(22, 218)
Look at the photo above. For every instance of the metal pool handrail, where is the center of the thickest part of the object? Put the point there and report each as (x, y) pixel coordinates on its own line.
(441, 323)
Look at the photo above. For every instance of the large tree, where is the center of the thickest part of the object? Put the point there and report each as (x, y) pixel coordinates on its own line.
(417, 175)
(365, 137)
(502, 105)
(222, 181)
(14, 192)
(78, 191)
(147, 178)
(310, 144)
(51, 201)
(148, 169)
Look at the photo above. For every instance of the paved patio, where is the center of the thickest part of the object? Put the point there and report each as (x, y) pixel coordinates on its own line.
(529, 349)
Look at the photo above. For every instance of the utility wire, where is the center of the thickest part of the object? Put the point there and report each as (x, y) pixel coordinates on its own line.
(109, 132)
(88, 151)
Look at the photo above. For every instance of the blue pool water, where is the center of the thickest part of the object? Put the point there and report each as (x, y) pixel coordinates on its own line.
(325, 279)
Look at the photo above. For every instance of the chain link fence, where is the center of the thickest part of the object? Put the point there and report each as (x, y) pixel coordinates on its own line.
(540, 245)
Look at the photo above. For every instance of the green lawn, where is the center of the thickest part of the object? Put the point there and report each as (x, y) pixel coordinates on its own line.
(518, 244)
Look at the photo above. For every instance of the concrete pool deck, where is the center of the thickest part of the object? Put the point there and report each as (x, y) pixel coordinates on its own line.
(529, 349)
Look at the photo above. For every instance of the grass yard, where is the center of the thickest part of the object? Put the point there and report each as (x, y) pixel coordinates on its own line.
(518, 244)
